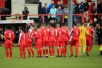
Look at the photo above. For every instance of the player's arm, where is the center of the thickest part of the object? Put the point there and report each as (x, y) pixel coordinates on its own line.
(19, 38)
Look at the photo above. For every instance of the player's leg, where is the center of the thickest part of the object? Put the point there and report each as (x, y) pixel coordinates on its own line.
(21, 51)
(80, 46)
(84, 46)
(71, 49)
(77, 47)
(87, 45)
(6, 51)
(24, 52)
(53, 51)
(32, 50)
(29, 52)
(10, 48)
(90, 45)
(66, 43)
(58, 48)
(46, 49)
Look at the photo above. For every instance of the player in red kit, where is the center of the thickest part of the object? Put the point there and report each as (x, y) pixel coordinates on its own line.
(29, 37)
(44, 40)
(65, 38)
(89, 39)
(58, 40)
(51, 40)
(22, 43)
(38, 41)
(9, 37)
(75, 32)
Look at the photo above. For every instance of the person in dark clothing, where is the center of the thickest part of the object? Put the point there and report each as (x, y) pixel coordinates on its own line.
(1, 35)
(25, 12)
(99, 35)
(40, 12)
(76, 17)
(45, 11)
(99, 7)
(81, 8)
(58, 4)
(86, 7)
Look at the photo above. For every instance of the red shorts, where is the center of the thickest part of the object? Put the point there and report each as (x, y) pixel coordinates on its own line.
(45, 43)
(29, 44)
(8, 46)
(51, 43)
(22, 47)
(38, 46)
(75, 42)
(89, 41)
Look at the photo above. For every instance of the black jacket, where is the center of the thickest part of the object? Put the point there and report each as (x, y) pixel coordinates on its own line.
(40, 8)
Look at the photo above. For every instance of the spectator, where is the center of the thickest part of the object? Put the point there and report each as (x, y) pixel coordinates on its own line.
(62, 5)
(45, 11)
(40, 12)
(100, 21)
(99, 7)
(65, 11)
(25, 12)
(76, 17)
(58, 4)
(81, 8)
(50, 5)
(53, 23)
(86, 7)
(95, 12)
(95, 22)
(53, 11)
(1, 35)
(59, 11)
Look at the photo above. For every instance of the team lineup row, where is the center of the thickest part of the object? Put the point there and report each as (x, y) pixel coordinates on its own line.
(47, 38)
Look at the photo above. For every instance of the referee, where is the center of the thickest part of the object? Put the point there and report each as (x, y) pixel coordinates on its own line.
(99, 35)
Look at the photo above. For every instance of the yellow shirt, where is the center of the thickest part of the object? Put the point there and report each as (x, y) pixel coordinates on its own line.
(83, 32)
(101, 48)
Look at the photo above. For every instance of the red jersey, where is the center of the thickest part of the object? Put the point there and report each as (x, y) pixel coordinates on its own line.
(58, 32)
(29, 35)
(9, 36)
(52, 34)
(91, 31)
(38, 37)
(44, 34)
(22, 39)
(65, 34)
(75, 32)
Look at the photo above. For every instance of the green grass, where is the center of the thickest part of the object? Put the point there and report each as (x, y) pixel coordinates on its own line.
(94, 61)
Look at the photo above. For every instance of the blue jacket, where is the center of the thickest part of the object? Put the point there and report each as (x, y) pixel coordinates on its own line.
(45, 10)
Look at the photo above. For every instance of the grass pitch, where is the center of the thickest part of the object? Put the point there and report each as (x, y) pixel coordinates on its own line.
(93, 61)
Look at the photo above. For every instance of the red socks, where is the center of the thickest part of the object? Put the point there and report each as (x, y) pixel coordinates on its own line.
(29, 52)
(7, 53)
(32, 52)
(71, 49)
(11, 53)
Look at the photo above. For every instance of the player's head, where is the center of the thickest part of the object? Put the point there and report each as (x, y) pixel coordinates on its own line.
(9, 27)
(38, 26)
(97, 25)
(42, 25)
(75, 25)
(90, 25)
(63, 24)
(50, 24)
(20, 29)
(58, 26)
(82, 24)
(31, 26)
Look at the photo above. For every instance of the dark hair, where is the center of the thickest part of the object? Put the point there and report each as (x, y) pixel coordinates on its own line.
(62, 24)
(75, 24)
(90, 25)
(32, 25)
(82, 23)
(38, 26)
(20, 28)
(8, 27)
